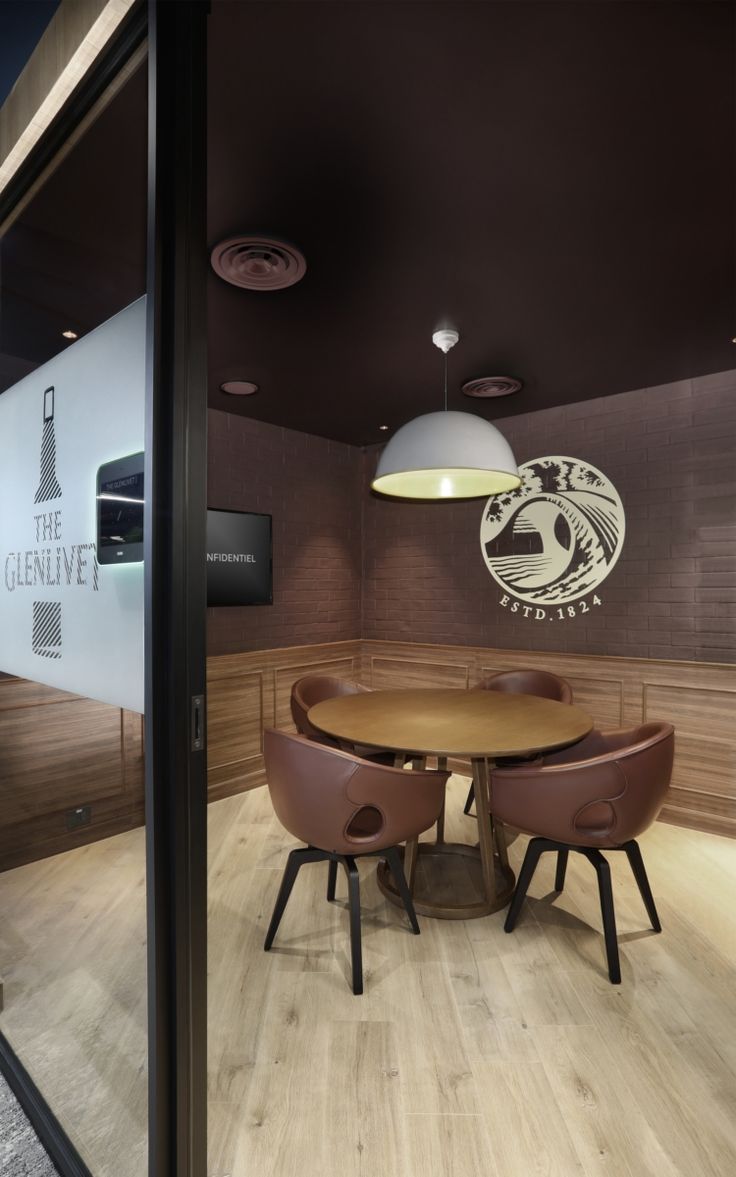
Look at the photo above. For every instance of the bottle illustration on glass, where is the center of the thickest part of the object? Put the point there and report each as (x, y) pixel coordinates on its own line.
(48, 486)
(47, 628)
(46, 639)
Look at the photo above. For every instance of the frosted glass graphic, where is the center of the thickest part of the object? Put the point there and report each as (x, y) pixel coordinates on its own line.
(64, 620)
(48, 484)
(47, 628)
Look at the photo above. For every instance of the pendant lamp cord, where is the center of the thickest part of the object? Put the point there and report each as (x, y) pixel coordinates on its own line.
(445, 381)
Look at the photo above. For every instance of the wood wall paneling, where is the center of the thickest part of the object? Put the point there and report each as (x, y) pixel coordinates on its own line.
(235, 722)
(603, 698)
(247, 692)
(705, 752)
(417, 672)
(699, 698)
(58, 751)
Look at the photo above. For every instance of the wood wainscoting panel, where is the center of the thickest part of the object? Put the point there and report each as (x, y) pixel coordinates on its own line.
(692, 709)
(698, 698)
(704, 776)
(391, 673)
(134, 767)
(603, 698)
(58, 753)
(235, 723)
(250, 691)
(79, 742)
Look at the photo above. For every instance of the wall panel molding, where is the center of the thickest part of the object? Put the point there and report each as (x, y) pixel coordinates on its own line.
(103, 762)
(699, 698)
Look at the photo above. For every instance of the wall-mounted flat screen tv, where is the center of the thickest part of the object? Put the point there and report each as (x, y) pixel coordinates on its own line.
(239, 558)
(120, 511)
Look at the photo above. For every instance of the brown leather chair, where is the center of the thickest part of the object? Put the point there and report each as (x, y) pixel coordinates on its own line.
(316, 688)
(528, 682)
(601, 793)
(524, 682)
(345, 807)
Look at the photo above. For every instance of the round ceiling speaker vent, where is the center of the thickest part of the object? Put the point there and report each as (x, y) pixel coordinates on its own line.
(258, 263)
(486, 386)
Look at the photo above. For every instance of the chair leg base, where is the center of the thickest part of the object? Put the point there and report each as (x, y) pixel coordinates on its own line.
(296, 860)
(538, 846)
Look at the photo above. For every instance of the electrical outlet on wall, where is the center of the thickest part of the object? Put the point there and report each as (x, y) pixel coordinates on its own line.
(81, 816)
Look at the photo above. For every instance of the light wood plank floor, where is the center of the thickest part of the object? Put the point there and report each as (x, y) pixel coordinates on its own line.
(471, 1052)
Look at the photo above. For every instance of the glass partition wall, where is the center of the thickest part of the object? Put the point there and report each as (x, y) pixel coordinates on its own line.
(102, 436)
(72, 842)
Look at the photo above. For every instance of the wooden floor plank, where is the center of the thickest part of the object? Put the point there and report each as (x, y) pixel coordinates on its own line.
(471, 1051)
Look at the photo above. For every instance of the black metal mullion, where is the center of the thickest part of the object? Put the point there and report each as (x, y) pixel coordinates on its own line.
(175, 589)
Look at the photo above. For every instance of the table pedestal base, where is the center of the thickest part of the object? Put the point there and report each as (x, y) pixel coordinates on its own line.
(448, 882)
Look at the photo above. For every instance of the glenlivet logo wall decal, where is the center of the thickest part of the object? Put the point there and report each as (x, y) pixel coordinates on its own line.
(551, 543)
(49, 564)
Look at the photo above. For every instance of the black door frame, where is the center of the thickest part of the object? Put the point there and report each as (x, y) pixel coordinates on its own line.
(176, 473)
(175, 593)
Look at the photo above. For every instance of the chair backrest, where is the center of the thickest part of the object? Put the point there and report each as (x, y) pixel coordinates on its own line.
(336, 801)
(529, 682)
(315, 688)
(602, 791)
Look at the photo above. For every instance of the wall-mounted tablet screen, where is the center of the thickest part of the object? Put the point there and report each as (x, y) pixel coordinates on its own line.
(238, 558)
(120, 511)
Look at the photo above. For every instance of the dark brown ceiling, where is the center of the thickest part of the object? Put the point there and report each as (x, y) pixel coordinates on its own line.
(556, 180)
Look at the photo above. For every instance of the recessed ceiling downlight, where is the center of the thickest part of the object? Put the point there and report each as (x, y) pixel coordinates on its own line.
(239, 387)
(487, 386)
(258, 263)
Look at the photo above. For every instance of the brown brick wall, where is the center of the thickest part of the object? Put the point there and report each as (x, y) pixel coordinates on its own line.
(312, 488)
(668, 450)
(670, 453)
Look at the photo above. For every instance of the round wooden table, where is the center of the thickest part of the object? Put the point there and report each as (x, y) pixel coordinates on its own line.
(481, 725)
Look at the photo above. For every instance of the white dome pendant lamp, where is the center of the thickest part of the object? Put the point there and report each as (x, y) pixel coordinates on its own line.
(446, 455)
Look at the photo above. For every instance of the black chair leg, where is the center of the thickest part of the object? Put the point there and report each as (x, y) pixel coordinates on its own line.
(331, 880)
(356, 951)
(470, 800)
(536, 847)
(394, 861)
(603, 871)
(633, 853)
(296, 859)
(561, 868)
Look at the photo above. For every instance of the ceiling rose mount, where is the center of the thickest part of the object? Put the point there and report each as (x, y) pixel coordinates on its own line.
(446, 338)
(258, 263)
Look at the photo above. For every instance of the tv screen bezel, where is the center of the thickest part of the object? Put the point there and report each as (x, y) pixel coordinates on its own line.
(252, 515)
